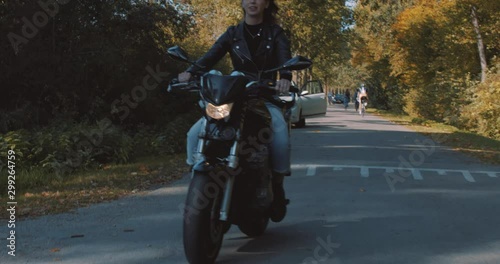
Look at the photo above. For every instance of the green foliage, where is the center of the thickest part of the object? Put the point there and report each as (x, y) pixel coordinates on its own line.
(65, 146)
(371, 44)
(419, 121)
(435, 52)
(172, 140)
(439, 101)
(212, 19)
(482, 115)
(167, 139)
(386, 91)
(89, 54)
(419, 57)
(82, 64)
(318, 30)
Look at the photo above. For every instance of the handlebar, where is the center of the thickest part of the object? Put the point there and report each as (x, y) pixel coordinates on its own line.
(194, 86)
(270, 85)
(190, 86)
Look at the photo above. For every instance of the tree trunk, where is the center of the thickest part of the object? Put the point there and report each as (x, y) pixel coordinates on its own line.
(480, 45)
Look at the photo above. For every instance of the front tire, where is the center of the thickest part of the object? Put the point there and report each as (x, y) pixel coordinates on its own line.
(202, 230)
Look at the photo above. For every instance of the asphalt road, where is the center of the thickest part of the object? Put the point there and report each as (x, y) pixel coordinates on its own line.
(363, 190)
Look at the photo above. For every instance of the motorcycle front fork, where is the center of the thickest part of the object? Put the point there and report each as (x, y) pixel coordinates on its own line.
(231, 162)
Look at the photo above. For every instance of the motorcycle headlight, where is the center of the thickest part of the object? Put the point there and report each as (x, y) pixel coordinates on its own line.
(219, 112)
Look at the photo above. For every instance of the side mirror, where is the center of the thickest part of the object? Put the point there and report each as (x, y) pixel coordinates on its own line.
(178, 53)
(304, 93)
(297, 63)
(294, 64)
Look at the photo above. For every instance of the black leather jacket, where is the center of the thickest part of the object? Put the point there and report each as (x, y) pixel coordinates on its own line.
(274, 51)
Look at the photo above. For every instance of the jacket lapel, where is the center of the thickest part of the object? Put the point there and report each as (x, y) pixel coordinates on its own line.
(265, 42)
(240, 43)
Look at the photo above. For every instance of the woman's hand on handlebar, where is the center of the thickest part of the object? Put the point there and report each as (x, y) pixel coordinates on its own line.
(184, 82)
(283, 85)
(184, 77)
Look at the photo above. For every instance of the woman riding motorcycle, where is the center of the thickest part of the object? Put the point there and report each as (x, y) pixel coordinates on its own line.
(255, 44)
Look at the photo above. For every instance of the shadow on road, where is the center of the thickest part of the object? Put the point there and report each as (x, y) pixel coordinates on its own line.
(380, 230)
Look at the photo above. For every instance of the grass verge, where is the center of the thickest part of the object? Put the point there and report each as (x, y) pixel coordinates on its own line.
(486, 149)
(41, 193)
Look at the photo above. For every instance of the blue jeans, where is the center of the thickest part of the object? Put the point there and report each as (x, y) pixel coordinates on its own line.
(280, 144)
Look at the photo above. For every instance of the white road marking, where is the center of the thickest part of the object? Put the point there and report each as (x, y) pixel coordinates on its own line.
(468, 177)
(441, 172)
(416, 172)
(492, 174)
(365, 172)
(311, 171)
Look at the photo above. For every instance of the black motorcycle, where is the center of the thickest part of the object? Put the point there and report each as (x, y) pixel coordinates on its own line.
(231, 179)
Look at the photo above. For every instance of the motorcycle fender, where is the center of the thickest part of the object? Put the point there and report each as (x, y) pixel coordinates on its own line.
(203, 166)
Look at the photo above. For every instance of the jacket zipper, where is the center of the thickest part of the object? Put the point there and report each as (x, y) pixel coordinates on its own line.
(237, 53)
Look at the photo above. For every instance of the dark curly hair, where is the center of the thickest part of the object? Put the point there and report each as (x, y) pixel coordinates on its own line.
(270, 13)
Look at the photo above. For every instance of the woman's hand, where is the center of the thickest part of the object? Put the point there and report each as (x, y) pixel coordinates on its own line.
(283, 85)
(184, 77)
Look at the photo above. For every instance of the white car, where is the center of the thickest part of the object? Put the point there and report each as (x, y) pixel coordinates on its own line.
(311, 102)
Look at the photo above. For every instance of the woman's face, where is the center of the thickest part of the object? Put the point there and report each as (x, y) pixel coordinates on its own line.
(254, 7)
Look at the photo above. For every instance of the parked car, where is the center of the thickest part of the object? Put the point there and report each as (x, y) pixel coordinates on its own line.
(339, 98)
(311, 102)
